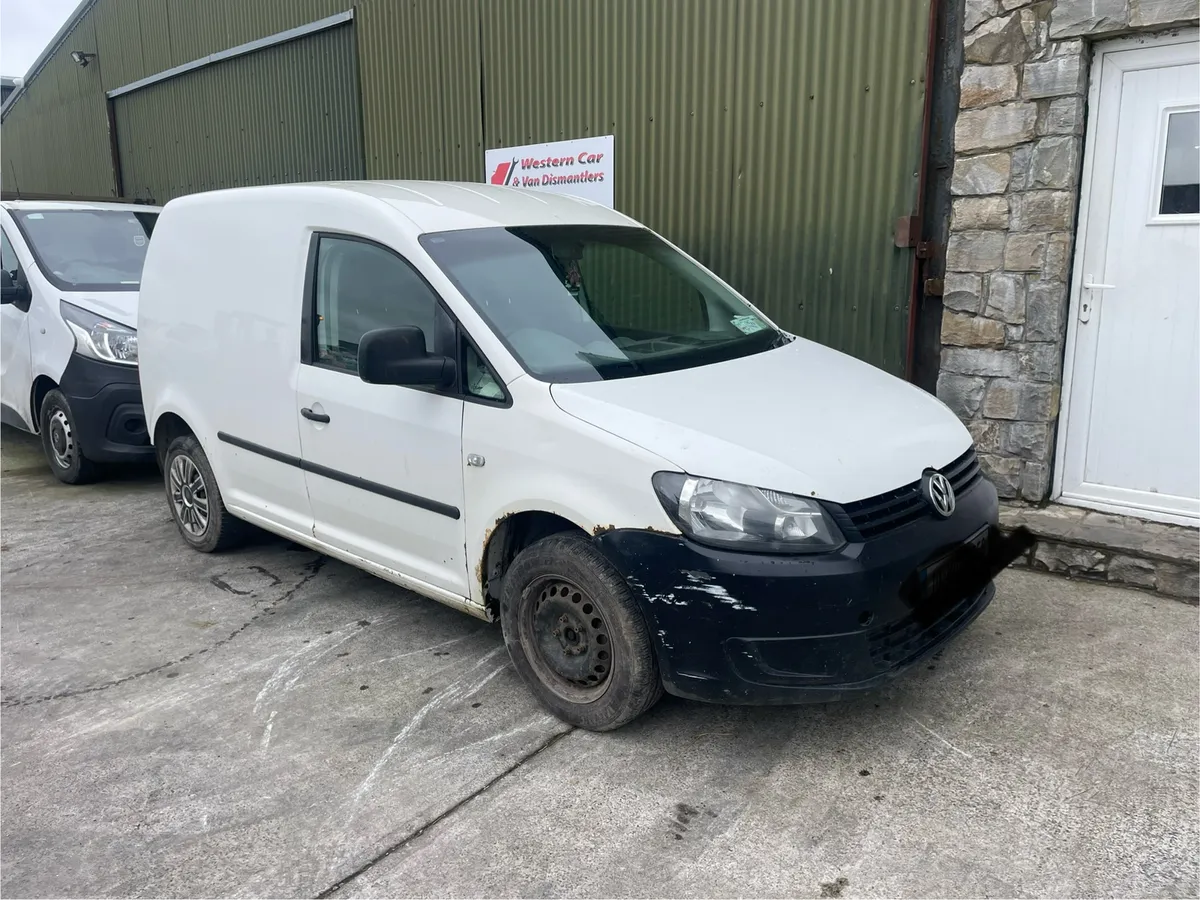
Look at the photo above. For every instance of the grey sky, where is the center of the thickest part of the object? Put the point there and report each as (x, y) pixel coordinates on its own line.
(26, 27)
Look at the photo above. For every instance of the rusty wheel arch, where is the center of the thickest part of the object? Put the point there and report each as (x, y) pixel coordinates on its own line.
(505, 539)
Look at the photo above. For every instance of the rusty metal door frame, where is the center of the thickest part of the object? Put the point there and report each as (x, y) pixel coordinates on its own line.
(931, 228)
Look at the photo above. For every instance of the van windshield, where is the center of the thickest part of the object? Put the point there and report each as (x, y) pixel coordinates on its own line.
(585, 302)
(88, 249)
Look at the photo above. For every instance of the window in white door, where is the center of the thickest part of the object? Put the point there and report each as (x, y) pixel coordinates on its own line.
(1177, 198)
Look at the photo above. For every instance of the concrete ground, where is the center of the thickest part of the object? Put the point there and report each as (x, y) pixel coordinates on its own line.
(271, 723)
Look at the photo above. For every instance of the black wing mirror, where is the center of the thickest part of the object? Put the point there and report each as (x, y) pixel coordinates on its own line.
(397, 356)
(13, 291)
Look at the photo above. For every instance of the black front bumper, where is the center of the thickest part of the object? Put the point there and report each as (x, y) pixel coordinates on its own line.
(106, 406)
(738, 627)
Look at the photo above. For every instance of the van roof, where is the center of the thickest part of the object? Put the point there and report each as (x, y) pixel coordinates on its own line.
(36, 205)
(449, 205)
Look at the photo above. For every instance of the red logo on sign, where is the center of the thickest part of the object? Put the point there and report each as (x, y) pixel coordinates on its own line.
(503, 173)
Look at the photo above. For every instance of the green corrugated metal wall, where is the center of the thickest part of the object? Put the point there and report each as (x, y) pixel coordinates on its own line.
(776, 140)
(57, 133)
(286, 113)
(420, 84)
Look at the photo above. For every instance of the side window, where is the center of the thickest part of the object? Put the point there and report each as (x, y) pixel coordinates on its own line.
(9, 261)
(361, 287)
(1180, 192)
(479, 381)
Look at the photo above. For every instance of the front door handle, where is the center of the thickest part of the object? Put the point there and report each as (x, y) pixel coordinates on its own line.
(314, 416)
(1085, 305)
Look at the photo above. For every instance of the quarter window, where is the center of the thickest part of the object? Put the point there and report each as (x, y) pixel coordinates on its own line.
(9, 261)
(361, 287)
(479, 381)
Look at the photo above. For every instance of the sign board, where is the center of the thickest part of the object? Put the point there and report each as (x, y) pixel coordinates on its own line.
(581, 168)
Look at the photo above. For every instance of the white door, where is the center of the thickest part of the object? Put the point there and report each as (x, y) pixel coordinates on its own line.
(1130, 437)
(15, 366)
(383, 463)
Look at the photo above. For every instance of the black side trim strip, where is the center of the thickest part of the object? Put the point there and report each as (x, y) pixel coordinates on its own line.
(433, 506)
(383, 490)
(259, 449)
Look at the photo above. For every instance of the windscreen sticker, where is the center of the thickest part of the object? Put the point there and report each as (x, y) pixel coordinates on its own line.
(35, 216)
(747, 324)
(139, 240)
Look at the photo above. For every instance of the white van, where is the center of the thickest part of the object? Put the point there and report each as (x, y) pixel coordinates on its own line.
(534, 409)
(68, 348)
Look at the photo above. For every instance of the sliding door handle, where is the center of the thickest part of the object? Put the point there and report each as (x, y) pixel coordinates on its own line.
(314, 416)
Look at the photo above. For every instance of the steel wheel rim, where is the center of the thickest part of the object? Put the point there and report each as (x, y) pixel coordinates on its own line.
(189, 496)
(567, 638)
(62, 439)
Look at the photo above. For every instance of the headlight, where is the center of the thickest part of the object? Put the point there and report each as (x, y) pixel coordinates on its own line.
(724, 514)
(100, 338)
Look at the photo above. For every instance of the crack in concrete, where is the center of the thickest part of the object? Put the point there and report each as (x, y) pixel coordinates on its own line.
(413, 835)
(314, 568)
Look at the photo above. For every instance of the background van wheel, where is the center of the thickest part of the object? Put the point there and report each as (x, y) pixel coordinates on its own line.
(195, 500)
(576, 635)
(60, 442)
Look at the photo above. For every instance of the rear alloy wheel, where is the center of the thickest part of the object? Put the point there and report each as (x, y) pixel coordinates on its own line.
(576, 635)
(195, 500)
(60, 442)
(189, 496)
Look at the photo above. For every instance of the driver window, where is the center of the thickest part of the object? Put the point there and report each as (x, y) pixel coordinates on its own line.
(360, 287)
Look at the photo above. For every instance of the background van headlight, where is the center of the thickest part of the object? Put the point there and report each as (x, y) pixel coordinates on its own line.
(100, 338)
(725, 514)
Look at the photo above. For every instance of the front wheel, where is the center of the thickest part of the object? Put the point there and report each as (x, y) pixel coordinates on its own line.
(576, 635)
(60, 442)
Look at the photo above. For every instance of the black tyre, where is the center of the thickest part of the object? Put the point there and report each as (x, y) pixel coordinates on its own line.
(195, 500)
(576, 635)
(60, 442)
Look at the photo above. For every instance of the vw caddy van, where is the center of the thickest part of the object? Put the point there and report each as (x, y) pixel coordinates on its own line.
(534, 409)
(68, 345)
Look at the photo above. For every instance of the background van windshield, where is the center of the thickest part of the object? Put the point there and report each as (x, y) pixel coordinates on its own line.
(86, 249)
(582, 303)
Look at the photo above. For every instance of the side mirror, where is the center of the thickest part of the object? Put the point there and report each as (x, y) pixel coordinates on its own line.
(397, 356)
(13, 292)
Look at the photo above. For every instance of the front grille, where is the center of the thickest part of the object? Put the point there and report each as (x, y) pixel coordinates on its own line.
(903, 641)
(866, 519)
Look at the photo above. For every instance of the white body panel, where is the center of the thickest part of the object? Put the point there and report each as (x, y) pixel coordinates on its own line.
(537, 458)
(16, 362)
(1130, 438)
(41, 342)
(227, 359)
(223, 353)
(405, 439)
(803, 419)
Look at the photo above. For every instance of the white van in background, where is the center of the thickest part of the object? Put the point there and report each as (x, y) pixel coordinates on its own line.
(68, 344)
(534, 409)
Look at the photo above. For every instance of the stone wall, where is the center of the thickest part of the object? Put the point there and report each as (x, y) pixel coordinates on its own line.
(1015, 186)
